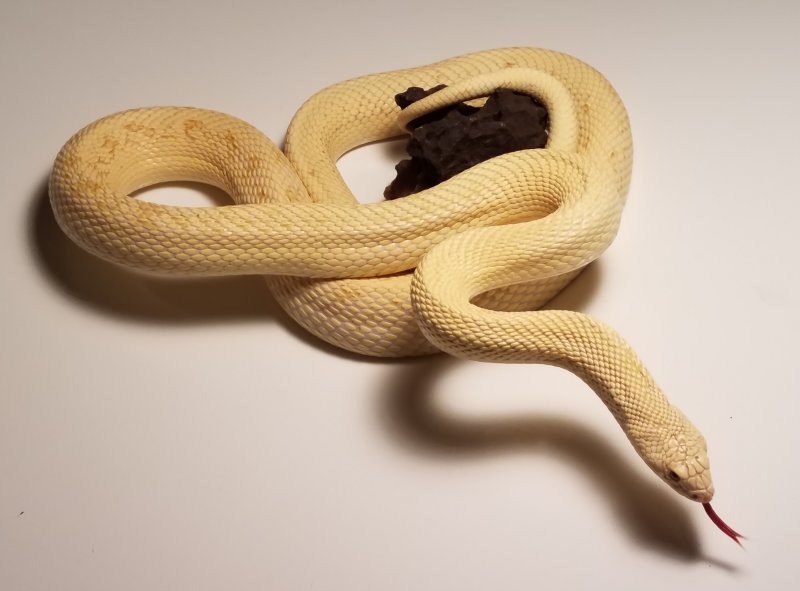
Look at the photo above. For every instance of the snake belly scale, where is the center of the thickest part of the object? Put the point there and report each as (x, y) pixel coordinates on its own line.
(462, 267)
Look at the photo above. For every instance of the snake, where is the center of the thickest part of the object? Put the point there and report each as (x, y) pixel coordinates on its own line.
(463, 267)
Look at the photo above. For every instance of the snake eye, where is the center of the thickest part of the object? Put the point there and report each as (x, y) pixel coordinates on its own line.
(673, 476)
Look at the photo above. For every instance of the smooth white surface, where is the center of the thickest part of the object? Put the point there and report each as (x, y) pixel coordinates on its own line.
(186, 435)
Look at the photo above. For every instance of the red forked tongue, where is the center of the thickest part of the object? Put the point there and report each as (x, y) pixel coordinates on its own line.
(726, 529)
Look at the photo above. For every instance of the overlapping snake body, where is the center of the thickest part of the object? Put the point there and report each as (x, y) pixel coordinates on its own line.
(495, 241)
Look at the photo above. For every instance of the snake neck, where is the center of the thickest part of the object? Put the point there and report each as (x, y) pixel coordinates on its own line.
(664, 438)
(573, 341)
(598, 355)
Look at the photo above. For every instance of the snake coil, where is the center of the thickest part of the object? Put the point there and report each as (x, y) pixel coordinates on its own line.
(461, 267)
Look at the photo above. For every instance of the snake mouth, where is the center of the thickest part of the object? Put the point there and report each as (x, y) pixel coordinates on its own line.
(726, 529)
(702, 495)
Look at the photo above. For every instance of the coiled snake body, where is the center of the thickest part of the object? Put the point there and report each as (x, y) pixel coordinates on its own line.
(459, 267)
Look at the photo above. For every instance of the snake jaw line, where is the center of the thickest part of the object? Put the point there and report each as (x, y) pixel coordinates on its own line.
(726, 529)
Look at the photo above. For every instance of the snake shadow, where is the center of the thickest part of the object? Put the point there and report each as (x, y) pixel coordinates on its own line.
(651, 514)
(123, 294)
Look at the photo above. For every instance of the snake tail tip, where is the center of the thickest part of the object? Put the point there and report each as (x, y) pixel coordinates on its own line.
(726, 529)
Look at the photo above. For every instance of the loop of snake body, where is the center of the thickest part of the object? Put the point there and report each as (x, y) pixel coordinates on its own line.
(461, 267)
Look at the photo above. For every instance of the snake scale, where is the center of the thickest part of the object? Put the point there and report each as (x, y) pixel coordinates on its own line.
(462, 267)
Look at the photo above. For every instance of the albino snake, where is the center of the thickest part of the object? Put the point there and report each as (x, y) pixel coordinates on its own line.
(460, 267)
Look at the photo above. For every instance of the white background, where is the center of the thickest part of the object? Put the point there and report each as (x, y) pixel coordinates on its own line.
(163, 434)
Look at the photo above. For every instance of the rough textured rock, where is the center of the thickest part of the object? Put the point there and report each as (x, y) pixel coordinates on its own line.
(446, 142)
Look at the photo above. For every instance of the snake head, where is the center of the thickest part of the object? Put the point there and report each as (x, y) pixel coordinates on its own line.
(685, 464)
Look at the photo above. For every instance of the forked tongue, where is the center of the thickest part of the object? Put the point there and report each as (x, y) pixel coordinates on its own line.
(726, 529)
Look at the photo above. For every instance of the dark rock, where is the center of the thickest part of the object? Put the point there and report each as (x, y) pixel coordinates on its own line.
(414, 94)
(413, 175)
(450, 140)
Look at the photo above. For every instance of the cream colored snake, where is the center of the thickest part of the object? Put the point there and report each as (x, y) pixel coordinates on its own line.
(461, 267)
